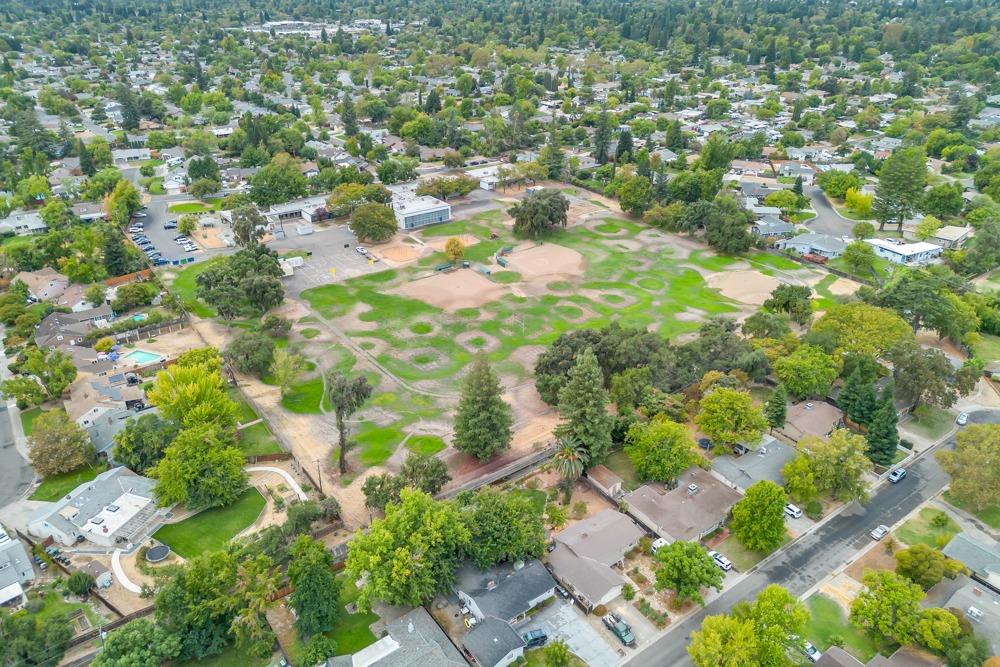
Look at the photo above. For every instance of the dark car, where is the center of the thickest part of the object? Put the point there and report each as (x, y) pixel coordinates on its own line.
(621, 629)
(159, 261)
(534, 638)
(704, 443)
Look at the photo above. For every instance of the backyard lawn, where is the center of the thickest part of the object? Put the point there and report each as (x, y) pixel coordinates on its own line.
(536, 658)
(990, 516)
(184, 287)
(257, 440)
(351, 632)
(245, 414)
(988, 347)
(920, 529)
(55, 604)
(28, 418)
(535, 496)
(231, 657)
(211, 529)
(620, 464)
(828, 620)
(55, 487)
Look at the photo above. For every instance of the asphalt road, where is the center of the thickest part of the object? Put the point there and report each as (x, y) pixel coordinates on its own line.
(827, 220)
(807, 562)
(16, 476)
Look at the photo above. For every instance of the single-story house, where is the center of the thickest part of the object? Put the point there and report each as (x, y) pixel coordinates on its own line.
(763, 462)
(43, 284)
(587, 553)
(795, 169)
(697, 506)
(89, 211)
(812, 243)
(59, 329)
(898, 252)
(117, 507)
(982, 608)
(101, 574)
(771, 227)
(23, 223)
(750, 167)
(506, 592)
(16, 570)
(94, 399)
(951, 236)
(493, 643)
(125, 155)
(981, 556)
(817, 418)
(412, 640)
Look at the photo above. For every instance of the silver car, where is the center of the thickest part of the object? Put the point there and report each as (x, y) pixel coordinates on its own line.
(879, 532)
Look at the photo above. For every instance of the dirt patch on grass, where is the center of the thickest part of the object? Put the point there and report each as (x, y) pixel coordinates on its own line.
(462, 288)
(439, 243)
(746, 286)
(398, 253)
(547, 260)
(352, 320)
(842, 589)
(527, 356)
(876, 558)
(477, 341)
(526, 403)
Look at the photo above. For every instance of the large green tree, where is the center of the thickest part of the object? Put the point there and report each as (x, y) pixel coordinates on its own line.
(857, 399)
(883, 436)
(201, 468)
(28, 640)
(140, 643)
(839, 464)
(483, 420)
(540, 213)
(974, 466)
(808, 371)
(888, 608)
(660, 449)
(759, 518)
(57, 444)
(686, 568)
(504, 527)
(411, 555)
(583, 404)
(900, 186)
(193, 395)
(373, 222)
(141, 444)
(345, 395)
(729, 416)
(316, 589)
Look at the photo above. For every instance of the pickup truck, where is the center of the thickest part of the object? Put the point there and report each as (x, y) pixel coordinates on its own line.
(620, 628)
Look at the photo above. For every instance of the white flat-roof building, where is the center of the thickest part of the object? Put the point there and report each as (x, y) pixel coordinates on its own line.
(414, 211)
(920, 252)
(16, 570)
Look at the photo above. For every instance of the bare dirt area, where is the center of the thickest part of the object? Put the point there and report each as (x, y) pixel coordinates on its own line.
(876, 558)
(438, 243)
(842, 589)
(213, 237)
(399, 251)
(462, 288)
(746, 286)
(526, 402)
(546, 260)
(843, 287)
(172, 344)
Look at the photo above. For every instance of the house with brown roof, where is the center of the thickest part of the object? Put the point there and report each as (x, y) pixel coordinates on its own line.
(697, 506)
(817, 418)
(44, 284)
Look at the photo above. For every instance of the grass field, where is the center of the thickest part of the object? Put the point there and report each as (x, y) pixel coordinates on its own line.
(56, 604)
(257, 440)
(195, 207)
(211, 529)
(28, 418)
(990, 516)
(743, 559)
(184, 286)
(920, 530)
(827, 620)
(988, 347)
(55, 487)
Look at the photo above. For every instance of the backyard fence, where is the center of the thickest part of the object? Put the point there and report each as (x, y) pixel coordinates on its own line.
(511, 470)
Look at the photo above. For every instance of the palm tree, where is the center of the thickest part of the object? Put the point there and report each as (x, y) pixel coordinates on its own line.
(346, 395)
(571, 457)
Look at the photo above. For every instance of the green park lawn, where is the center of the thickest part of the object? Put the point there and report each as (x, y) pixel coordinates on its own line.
(828, 620)
(990, 516)
(195, 207)
(28, 418)
(988, 347)
(257, 440)
(920, 530)
(213, 528)
(426, 445)
(184, 287)
(55, 487)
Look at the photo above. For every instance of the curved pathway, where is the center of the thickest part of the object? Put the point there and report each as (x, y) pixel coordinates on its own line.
(116, 567)
(284, 473)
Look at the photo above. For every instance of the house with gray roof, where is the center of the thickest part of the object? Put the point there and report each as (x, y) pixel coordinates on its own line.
(697, 506)
(763, 462)
(16, 570)
(507, 591)
(493, 643)
(589, 554)
(812, 243)
(981, 607)
(412, 640)
(981, 557)
(115, 508)
(772, 227)
(61, 329)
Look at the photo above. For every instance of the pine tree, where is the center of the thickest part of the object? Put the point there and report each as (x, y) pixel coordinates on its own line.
(433, 103)
(776, 408)
(882, 434)
(552, 156)
(797, 188)
(483, 421)
(349, 116)
(602, 137)
(624, 151)
(858, 398)
(583, 404)
(86, 161)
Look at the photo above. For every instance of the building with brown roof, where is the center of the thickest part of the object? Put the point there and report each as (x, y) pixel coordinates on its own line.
(817, 418)
(698, 506)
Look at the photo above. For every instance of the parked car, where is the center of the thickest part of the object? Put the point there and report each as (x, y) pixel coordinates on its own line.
(793, 511)
(879, 532)
(962, 419)
(159, 261)
(620, 628)
(897, 475)
(179, 237)
(534, 638)
(720, 560)
(138, 214)
(362, 250)
(658, 544)
(813, 654)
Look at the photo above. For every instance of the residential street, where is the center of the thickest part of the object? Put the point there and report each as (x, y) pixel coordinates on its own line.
(827, 220)
(16, 475)
(807, 562)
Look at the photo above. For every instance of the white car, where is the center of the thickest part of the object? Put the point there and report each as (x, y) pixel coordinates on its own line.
(658, 544)
(361, 250)
(812, 653)
(879, 532)
(962, 419)
(793, 511)
(720, 560)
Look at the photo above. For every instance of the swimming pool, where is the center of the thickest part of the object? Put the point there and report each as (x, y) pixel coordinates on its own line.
(142, 357)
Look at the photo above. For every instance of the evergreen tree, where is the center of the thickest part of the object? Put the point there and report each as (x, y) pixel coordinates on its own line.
(900, 186)
(433, 102)
(551, 156)
(483, 420)
(624, 150)
(583, 403)
(349, 116)
(776, 408)
(882, 434)
(858, 398)
(797, 188)
(86, 161)
(116, 258)
(602, 137)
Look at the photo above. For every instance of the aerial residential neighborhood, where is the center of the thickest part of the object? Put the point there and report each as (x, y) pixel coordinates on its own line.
(646, 333)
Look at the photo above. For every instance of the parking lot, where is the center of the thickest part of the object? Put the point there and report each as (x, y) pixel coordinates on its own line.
(333, 258)
(163, 239)
(563, 620)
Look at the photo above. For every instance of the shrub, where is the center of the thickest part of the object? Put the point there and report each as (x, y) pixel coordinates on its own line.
(836, 640)
(579, 509)
(533, 483)
(814, 510)
(645, 544)
(628, 592)
(600, 610)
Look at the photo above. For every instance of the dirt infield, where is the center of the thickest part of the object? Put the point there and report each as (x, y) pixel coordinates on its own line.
(547, 259)
(439, 243)
(399, 253)
(462, 288)
(746, 286)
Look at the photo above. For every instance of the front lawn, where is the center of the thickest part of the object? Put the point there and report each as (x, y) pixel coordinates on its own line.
(990, 516)
(257, 440)
(212, 529)
(536, 658)
(744, 559)
(828, 621)
(620, 464)
(28, 418)
(988, 347)
(55, 487)
(931, 422)
(920, 529)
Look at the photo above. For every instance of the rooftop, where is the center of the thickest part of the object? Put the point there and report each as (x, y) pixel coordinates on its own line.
(491, 640)
(683, 514)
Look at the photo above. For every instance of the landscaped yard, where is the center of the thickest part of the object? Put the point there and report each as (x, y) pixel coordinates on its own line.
(212, 529)
(743, 559)
(920, 529)
(828, 620)
(28, 418)
(882, 266)
(620, 464)
(535, 496)
(55, 604)
(990, 516)
(55, 487)
(257, 440)
(351, 631)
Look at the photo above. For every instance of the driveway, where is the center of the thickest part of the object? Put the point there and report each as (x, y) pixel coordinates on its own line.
(563, 620)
